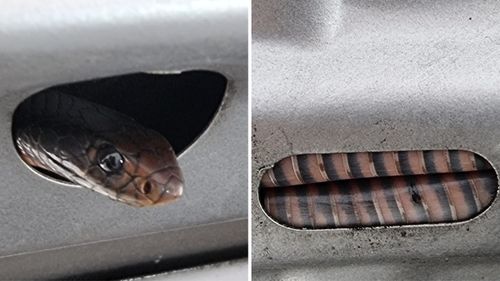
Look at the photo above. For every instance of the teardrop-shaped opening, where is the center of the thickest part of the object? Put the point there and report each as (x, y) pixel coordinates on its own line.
(180, 106)
(366, 189)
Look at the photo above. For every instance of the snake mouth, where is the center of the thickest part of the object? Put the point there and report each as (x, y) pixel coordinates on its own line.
(170, 192)
(162, 186)
(156, 190)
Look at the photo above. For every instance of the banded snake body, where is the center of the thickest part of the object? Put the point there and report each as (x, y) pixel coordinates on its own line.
(97, 148)
(317, 191)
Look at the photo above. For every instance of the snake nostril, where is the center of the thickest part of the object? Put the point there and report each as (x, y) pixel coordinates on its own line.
(146, 187)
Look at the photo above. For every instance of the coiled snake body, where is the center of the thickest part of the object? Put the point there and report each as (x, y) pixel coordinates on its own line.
(97, 148)
(377, 188)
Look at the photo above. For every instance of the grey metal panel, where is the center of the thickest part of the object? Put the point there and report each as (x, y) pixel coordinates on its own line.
(228, 271)
(168, 249)
(348, 76)
(52, 42)
(430, 269)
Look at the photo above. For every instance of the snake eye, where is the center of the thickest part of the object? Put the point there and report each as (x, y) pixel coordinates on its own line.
(109, 159)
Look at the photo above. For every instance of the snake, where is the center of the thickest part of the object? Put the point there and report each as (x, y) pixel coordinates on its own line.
(365, 189)
(97, 148)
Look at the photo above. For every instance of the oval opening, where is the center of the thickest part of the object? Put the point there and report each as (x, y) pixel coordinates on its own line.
(180, 106)
(367, 189)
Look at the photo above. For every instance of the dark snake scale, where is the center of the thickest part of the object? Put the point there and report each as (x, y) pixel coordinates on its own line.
(97, 148)
(317, 191)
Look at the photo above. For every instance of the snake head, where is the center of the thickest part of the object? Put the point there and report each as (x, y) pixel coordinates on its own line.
(98, 148)
(140, 171)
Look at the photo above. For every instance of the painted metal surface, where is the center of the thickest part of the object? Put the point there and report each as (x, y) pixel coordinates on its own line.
(354, 76)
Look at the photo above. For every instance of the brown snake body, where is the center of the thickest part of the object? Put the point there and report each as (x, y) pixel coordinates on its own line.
(317, 191)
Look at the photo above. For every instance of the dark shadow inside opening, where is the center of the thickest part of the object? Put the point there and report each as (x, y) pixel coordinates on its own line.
(178, 106)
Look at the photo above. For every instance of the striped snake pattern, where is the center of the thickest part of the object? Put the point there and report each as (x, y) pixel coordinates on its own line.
(315, 191)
